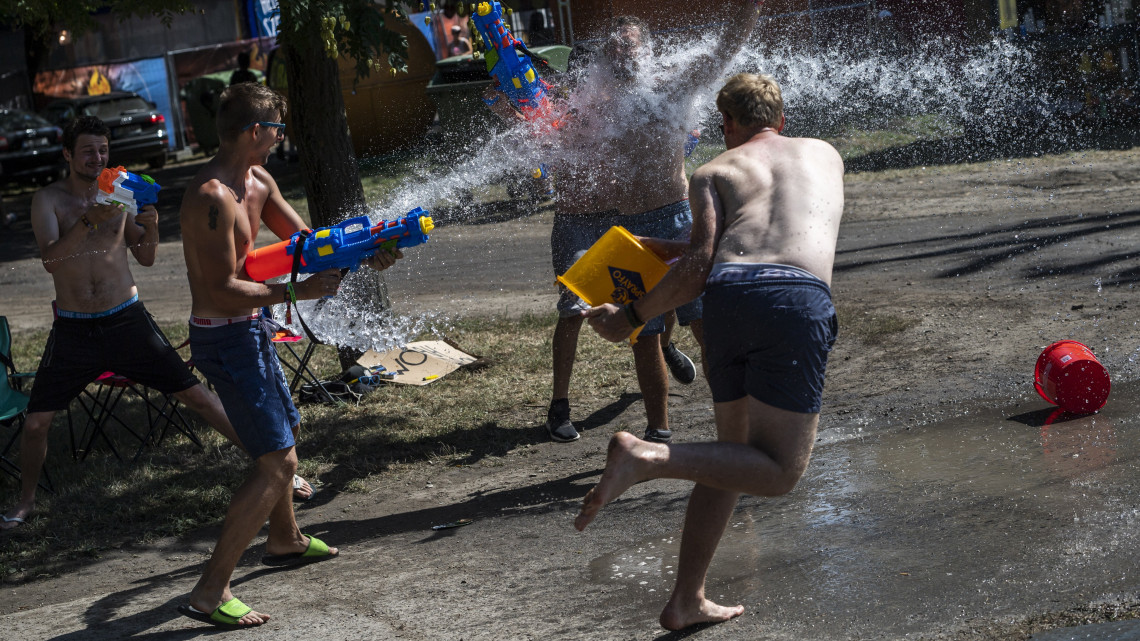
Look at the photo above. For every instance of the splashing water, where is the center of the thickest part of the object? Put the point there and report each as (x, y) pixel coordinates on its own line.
(969, 88)
(833, 88)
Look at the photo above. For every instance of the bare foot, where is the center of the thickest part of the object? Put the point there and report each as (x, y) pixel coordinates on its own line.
(302, 491)
(627, 463)
(207, 606)
(677, 616)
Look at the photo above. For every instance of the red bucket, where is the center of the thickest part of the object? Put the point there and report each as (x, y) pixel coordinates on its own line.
(1069, 375)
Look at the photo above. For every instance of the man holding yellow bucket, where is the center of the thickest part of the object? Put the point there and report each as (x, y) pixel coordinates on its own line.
(765, 221)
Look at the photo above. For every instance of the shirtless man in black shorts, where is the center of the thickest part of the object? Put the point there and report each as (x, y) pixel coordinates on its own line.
(100, 323)
(765, 221)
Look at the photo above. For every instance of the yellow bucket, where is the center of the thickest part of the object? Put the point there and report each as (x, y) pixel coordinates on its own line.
(616, 269)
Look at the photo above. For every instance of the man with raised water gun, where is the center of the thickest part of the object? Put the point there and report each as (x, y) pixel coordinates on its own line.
(222, 210)
(650, 199)
(83, 235)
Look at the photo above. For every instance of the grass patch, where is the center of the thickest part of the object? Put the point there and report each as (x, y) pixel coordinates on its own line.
(469, 417)
(382, 175)
(852, 142)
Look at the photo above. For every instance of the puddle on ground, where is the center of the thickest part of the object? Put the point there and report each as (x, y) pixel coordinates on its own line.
(983, 512)
(650, 566)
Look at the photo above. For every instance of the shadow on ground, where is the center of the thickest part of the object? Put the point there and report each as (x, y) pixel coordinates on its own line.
(978, 250)
(189, 471)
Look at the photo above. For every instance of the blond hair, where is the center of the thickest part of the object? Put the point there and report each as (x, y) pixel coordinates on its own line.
(246, 103)
(752, 100)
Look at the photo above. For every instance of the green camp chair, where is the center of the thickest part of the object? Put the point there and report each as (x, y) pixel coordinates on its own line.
(13, 405)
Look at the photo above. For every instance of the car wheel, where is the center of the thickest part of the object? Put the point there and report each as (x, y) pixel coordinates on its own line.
(157, 162)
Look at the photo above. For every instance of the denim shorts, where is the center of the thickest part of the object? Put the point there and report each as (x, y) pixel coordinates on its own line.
(768, 336)
(573, 235)
(126, 342)
(241, 364)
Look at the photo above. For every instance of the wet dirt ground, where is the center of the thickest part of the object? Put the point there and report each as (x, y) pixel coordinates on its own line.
(945, 500)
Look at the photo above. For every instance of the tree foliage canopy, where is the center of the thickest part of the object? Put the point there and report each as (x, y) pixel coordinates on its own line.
(350, 27)
(43, 18)
(356, 28)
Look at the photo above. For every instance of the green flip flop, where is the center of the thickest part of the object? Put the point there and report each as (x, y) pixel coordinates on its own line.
(225, 616)
(315, 553)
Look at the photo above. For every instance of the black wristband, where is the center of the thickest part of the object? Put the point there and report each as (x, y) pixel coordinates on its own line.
(83, 219)
(631, 315)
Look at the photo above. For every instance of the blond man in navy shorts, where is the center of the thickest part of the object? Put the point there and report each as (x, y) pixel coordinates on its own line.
(765, 222)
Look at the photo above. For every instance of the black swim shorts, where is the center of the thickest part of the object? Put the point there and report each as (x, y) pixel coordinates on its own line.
(127, 342)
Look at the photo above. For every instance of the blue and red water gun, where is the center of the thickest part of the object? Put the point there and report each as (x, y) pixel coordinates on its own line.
(341, 246)
(509, 62)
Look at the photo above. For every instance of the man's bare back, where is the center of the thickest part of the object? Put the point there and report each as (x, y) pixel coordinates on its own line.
(782, 200)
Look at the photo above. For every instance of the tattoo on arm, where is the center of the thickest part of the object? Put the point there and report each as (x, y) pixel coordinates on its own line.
(213, 217)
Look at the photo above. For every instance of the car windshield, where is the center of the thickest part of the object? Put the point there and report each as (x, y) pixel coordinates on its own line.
(107, 109)
(12, 120)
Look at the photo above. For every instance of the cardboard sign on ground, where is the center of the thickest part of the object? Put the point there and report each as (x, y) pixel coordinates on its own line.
(418, 363)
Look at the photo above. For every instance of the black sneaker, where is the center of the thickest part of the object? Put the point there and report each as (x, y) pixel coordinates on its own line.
(558, 423)
(680, 366)
(658, 436)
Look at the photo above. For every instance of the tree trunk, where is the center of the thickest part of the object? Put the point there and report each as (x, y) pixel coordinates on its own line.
(332, 180)
(320, 129)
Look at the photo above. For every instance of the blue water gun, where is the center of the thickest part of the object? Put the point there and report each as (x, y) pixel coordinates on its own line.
(132, 191)
(509, 62)
(341, 246)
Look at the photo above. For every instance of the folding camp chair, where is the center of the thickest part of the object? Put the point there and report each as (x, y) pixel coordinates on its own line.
(297, 364)
(100, 409)
(14, 406)
(169, 415)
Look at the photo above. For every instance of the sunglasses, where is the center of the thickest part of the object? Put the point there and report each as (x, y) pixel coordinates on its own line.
(275, 125)
(373, 377)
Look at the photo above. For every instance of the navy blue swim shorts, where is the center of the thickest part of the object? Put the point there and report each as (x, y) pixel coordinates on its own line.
(125, 340)
(768, 332)
(573, 235)
(239, 361)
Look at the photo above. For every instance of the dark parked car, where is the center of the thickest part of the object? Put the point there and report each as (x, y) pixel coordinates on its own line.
(31, 148)
(138, 129)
